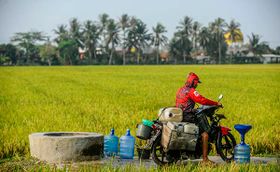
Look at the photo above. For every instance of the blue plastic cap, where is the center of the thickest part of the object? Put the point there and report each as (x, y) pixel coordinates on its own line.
(242, 128)
(127, 132)
(112, 132)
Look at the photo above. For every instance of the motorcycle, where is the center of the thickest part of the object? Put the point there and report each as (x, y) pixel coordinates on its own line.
(192, 148)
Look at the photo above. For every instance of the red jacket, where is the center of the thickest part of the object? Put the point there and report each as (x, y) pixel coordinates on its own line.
(186, 98)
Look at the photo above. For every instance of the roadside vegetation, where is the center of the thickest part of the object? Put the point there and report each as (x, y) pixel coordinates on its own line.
(128, 40)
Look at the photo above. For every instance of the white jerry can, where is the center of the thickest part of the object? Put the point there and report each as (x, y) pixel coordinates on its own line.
(191, 129)
(171, 114)
(179, 136)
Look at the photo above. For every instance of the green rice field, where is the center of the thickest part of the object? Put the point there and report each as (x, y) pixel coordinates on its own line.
(98, 98)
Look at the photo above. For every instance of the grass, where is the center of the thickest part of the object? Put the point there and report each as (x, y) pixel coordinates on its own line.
(33, 165)
(97, 98)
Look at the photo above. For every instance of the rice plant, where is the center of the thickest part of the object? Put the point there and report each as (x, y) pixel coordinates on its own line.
(97, 98)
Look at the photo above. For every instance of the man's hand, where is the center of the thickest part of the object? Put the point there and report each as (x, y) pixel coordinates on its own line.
(220, 105)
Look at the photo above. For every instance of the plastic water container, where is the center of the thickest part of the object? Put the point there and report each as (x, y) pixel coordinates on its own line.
(111, 143)
(127, 146)
(242, 150)
(242, 153)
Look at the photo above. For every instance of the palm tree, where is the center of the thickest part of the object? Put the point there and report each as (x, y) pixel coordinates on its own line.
(233, 28)
(184, 33)
(204, 38)
(75, 28)
(185, 26)
(75, 36)
(235, 35)
(138, 37)
(253, 43)
(174, 48)
(257, 47)
(62, 38)
(124, 24)
(133, 21)
(112, 37)
(103, 21)
(91, 37)
(184, 44)
(61, 33)
(217, 27)
(195, 33)
(158, 39)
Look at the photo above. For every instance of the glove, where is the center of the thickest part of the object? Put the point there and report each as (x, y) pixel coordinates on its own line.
(220, 105)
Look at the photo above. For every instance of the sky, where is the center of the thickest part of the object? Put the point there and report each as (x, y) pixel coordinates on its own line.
(260, 17)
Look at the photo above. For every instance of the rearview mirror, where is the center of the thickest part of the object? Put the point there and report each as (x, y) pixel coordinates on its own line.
(220, 97)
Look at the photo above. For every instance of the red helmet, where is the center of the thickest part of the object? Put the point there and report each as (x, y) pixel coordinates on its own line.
(192, 79)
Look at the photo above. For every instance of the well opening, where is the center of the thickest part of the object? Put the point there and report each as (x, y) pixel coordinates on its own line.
(65, 134)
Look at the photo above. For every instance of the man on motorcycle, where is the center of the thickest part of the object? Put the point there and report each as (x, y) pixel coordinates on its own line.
(186, 97)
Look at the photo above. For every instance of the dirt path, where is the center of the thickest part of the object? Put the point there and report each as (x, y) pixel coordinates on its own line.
(116, 162)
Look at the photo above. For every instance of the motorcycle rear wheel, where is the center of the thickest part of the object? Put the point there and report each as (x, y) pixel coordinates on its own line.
(225, 146)
(159, 156)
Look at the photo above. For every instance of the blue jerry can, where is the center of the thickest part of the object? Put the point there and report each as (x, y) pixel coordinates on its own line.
(111, 143)
(127, 146)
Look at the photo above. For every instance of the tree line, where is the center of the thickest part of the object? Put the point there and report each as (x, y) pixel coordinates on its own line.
(127, 40)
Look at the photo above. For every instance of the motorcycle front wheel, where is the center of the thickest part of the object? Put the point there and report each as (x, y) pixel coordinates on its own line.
(158, 155)
(225, 146)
